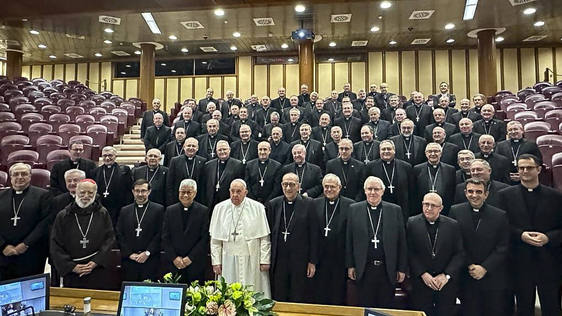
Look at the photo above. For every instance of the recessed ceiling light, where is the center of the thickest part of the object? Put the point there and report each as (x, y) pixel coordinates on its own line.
(233, 47)
(109, 30)
(529, 11)
(173, 71)
(450, 41)
(539, 23)
(42, 46)
(128, 66)
(449, 26)
(149, 19)
(98, 54)
(385, 4)
(499, 39)
(138, 52)
(184, 50)
(330, 59)
(332, 44)
(236, 34)
(392, 43)
(204, 62)
(300, 8)
(52, 56)
(284, 45)
(173, 37)
(219, 12)
(163, 64)
(123, 73)
(34, 32)
(375, 29)
(469, 9)
(24, 20)
(107, 41)
(290, 60)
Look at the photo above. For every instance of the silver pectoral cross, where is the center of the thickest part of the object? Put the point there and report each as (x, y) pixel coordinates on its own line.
(217, 187)
(375, 242)
(326, 230)
(212, 155)
(244, 160)
(138, 230)
(234, 234)
(391, 188)
(261, 182)
(514, 162)
(285, 233)
(105, 194)
(408, 154)
(84, 242)
(366, 160)
(15, 220)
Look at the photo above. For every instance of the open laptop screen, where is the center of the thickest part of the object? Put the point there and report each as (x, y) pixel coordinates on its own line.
(151, 299)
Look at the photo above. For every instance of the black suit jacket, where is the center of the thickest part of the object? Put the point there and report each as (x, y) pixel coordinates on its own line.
(352, 95)
(417, 149)
(487, 244)
(314, 152)
(158, 183)
(361, 153)
(251, 153)
(279, 104)
(457, 116)
(148, 120)
(393, 239)
(178, 171)
(425, 114)
(526, 147)
(471, 143)
(449, 252)
(205, 149)
(157, 138)
(280, 152)
(291, 131)
(450, 129)
(351, 126)
(311, 182)
(497, 129)
(172, 150)
(338, 227)
(192, 129)
(381, 129)
(252, 177)
(315, 116)
(202, 104)
(58, 184)
(444, 183)
(493, 189)
(120, 188)
(322, 134)
(234, 132)
(234, 169)
(351, 187)
(150, 237)
(452, 99)
(500, 166)
(449, 154)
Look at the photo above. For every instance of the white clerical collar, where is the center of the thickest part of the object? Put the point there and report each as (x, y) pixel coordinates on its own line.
(151, 169)
(140, 205)
(189, 158)
(434, 166)
(431, 223)
(263, 162)
(300, 166)
(344, 161)
(109, 166)
(290, 202)
(516, 140)
(19, 192)
(476, 210)
(388, 162)
(222, 161)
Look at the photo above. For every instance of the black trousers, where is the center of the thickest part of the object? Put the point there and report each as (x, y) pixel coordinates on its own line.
(29, 263)
(98, 279)
(134, 271)
(549, 296)
(478, 300)
(434, 303)
(329, 283)
(374, 289)
(289, 282)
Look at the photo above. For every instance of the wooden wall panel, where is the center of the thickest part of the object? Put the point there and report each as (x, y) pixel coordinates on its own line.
(26, 71)
(558, 68)
(230, 85)
(35, 71)
(375, 68)
(528, 76)
(459, 73)
(275, 80)
(292, 77)
(118, 87)
(545, 61)
(425, 71)
(82, 74)
(510, 69)
(70, 72)
(94, 77)
(391, 67)
(106, 75)
(408, 72)
(186, 86)
(244, 77)
(341, 76)
(200, 87)
(498, 69)
(260, 80)
(216, 84)
(324, 79)
(441, 68)
(172, 96)
(473, 64)
(358, 76)
(59, 71)
(131, 86)
(48, 72)
(159, 92)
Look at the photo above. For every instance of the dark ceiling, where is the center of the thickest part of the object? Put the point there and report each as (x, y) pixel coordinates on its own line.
(66, 26)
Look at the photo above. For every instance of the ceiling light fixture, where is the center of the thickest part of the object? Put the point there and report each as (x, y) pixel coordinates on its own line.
(149, 19)
(300, 8)
(219, 12)
(499, 39)
(98, 54)
(539, 23)
(42, 46)
(385, 4)
(184, 50)
(332, 44)
(233, 47)
(392, 42)
(108, 30)
(163, 64)
(450, 41)
(236, 34)
(375, 29)
(284, 46)
(34, 32)
(330, 59)
(107, 41)
(290, 60)
(138, 52)
(469, 9)
(52, 56)
(123, 73)
(128, 66)
(172, 37)
(204, 62)
(449, 26)
(529, 11)
(173, 71)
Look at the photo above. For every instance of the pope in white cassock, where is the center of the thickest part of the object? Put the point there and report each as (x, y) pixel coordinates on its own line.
(240, 245)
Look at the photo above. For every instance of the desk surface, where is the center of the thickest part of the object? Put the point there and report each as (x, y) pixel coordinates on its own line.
(108, 302)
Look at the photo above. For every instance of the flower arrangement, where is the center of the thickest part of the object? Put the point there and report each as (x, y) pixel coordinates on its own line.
(222, 299)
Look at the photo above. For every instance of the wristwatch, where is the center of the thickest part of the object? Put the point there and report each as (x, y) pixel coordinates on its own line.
(147, 253)
(448, 276)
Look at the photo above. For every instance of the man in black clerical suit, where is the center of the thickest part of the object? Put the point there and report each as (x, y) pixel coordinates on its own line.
(535, 223)
(489, 125)
(500, 164)
(466, 138)
(376, 252)
(485, 232)
(280, 150)
(479, 100)
(435, 176)
(515, 146)
(350, 125)
(310, 175)
(444, 93)
(399, 117)
(465, 113)
(244, 149)
(368, 148)
(464, 159)
(331, 150)
(294, 104)
(185, 235)
(444, 104)
(304, 96)
(208, 142)
(148, 117)
(436, 256)
(229, 102)
(155, 174)
(175, 147)
(480, 169)
(332, 105)
(449, 150)
(114, 183)
(76, 148)
(329, 282)
(81, 241)
(218, 173)
(263, 116)
(381, 128)
(291, 128)
(348, 169)
(397, 177)
(317, 113)
(294, 242)
(187, 166)
(191, 127)
(347, 93)
(383, 98)
(158, 135)
(244, 120)
(439, 118)
(314, 152)
(261, 174)
(280, 102)
(202, 104)
(420, 113)
(23, 225)
(321, 132)
(274, 122)
(409, 147)
(138, 231)
(388, 112)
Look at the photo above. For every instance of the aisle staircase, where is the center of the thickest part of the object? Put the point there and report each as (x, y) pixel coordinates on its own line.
(130, 150)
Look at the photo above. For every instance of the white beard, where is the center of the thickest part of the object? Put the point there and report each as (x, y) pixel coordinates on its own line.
(83, 205)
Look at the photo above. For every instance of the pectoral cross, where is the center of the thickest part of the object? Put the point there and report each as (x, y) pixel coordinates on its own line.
(326, 230)
(346, 135)
(261, 182)
(375, 242)
(391, 188)
(234, 234)
(417, 118)
(285, 233)
(84, 242)
(212, 155)
(408, 154)
(366, 160)
(514, 162)
(15, 219)
(138, 230)
(217, 187)
(433, 190)
(244, 161)
(105, 194)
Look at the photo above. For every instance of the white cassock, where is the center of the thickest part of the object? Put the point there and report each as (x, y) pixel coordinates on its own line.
(240, 242)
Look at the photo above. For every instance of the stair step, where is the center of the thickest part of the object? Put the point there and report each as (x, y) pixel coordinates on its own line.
(131, 153)
(131, 136)
(132, 141)
(129, 147)
(135, 131)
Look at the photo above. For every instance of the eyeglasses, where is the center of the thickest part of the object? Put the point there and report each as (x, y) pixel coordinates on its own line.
(288, 184)
(430, 205)
(186, 192)
(378, 189)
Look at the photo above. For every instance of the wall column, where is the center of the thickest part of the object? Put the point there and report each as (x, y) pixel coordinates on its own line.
(306, 63)
(14, 60)
(487, 76)
(147, 76)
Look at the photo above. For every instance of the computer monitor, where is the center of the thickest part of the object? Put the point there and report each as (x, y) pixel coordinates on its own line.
(25, 296)
(151, 299)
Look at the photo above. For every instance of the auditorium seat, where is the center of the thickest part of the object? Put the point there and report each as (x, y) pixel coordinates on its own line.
(89, 147)
(99, 133)
(505, 103)
(112, 124)
(55, 96)
(539, 86)
(108, 106)
(121, 115)
(33, 95)
(85, 120)
(27, 156)
(557, 171)
(46, 144)
(58, 119)
(36, 130)
(4, 107)
(78, 97)
(554, 117)
(87, 105)
(27, 90)
(557, 98)
(536, 129)
(74, 111)
(29, 118)
(8, 95)
(98, 99)
(20, 109)
(106, 94)
(98, 112)
(23, 84)
(130, 108)
(549, 145)
(9, 128)
(515, 108)
(549, 91)
(116, 99)
(12, 143)
(6, 87)
(41, 178)
(544, 106)
(49, 110)
(68, 130)
(7, 117)
(4, 179)
(41, 102)
(55, 156)
(64, 103)
(532, 99)
(525, 117)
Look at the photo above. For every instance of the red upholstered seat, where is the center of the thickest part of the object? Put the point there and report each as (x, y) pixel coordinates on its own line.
(23, 84)
(121, 115)
(18, 100)
(38, 129)
(505, 103)
(26, 156)
(58, 119)
(557, 98)
(64, 103)
(41, 178)
(116, 99)
(108, 106)
(55, 156)
(549, 91)
(539, 86)
(55, 96)
(46, 144)
(544, 106)
(554, 117)
(130, 108)
(7, 117)
(536, 129)
(20, 109)
(87, 104)
(12, 143)
(526, 116)
(4, 179)
(515, 108)
(7, 86)
(68, 130)
(549, 145)
(8, 95)
(9, 128)
(41, 102)
(49, 110)
(29, 118)
(112, 124)
(557, 171)
(27, 90)
(98, 112)
(78, 97)
(99, 133)
(74, 111)
(106, 94)
(33, 95)
(532, 99)
(4, 107)
(85, 120)
(98, 98)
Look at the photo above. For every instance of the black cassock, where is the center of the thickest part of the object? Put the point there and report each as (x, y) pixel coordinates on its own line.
(493, 127)
(331, 151)
(322, 134)
(415, 145)
(244, 151)
(148, 218)
(148, 120)
(260, 178)
(69, 246)
(58, 203)
(493, 188)
(350, 127)
(217, 178)
(294, 244)
(331, 273)
(440, 178)
(291, 131)
(32, 208)
(58, 185)
(185, 232)
(183, 167)
(449, 154)
(349, 173)
(157, 137)
(366, 151)
(500, 165)
(280, 152)
(208, 145)
(469, 141)
(172, 149)
(421, 116)
(314, 152)
(513, 148)
(115, 188)
(310, 178)
(192, 128)
(157, 179)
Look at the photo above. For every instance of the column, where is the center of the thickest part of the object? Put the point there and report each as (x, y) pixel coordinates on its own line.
(146, 87)
(306, 63)
(487, 76)
(14, 59)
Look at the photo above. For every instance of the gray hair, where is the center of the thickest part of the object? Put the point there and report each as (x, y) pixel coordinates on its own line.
(375, 179)
(242, 182)
(109, 148)
(81, 174)
(188, 183)
(19, 165)
(331, 177)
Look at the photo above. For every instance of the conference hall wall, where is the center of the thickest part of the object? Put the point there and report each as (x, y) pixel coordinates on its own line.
(404, 71)
(2, 68)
